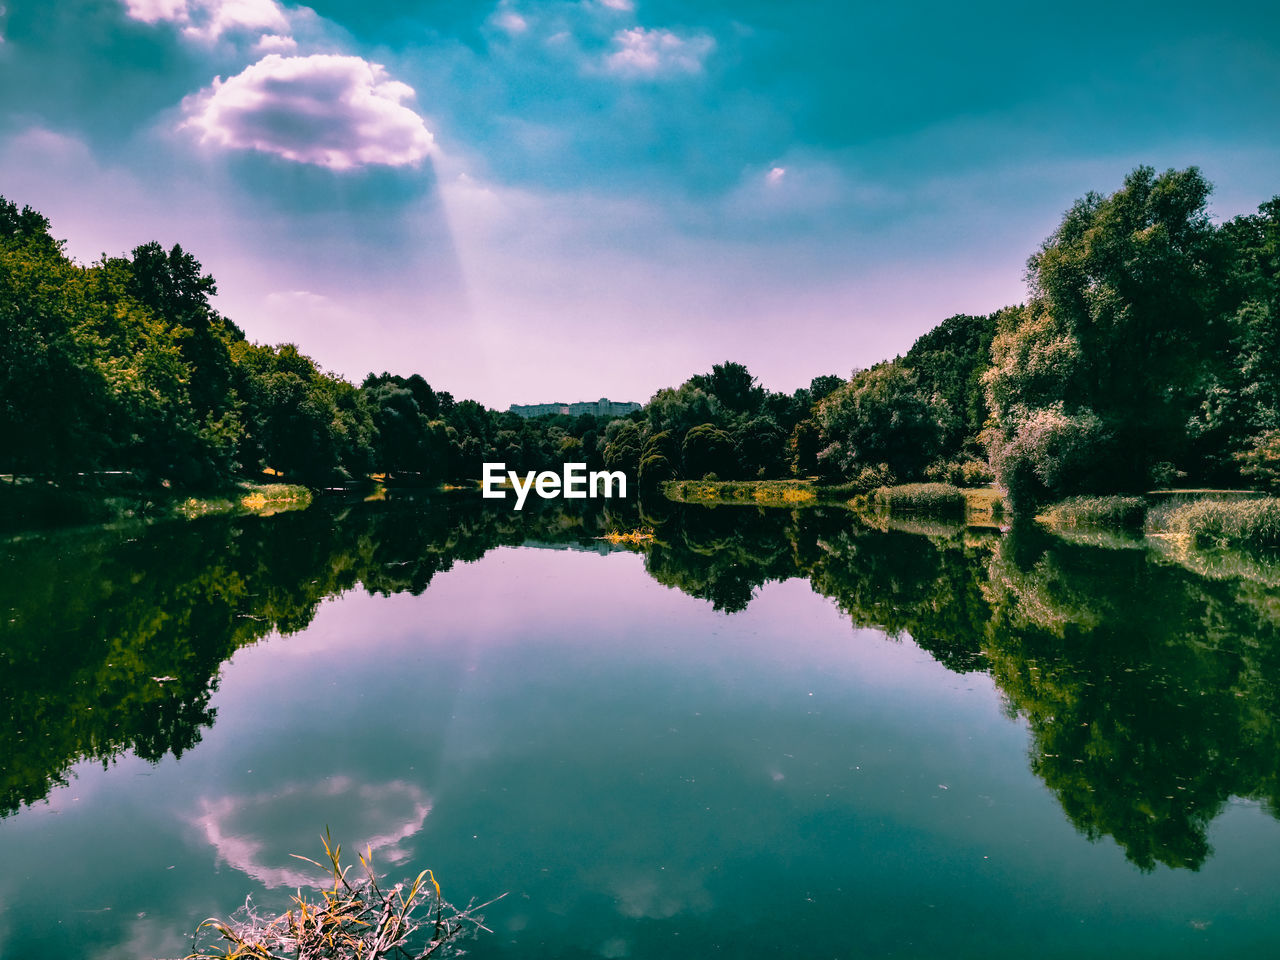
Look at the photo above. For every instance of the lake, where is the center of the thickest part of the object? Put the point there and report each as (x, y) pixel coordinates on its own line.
(779, 733)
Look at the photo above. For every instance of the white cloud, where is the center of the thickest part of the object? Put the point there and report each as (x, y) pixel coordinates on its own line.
(333, 111)
(625, 6)
(210, 19)
(638, 51)
(274, 43)
(153, 11)
(510, 22)
(775, 175)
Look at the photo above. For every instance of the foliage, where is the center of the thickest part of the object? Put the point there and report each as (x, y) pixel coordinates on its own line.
(880, 417)
(1077, 409)
(622, 447)
(949, 362)
(1240, 399)
(1260, 459)
(709, 450)
(733, 387)
(763, 492)
(125, 366)
(1048, 452)
(803, 447)
(960, 473)
(354, 919)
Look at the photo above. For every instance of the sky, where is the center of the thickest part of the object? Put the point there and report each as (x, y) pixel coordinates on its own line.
(556, 201)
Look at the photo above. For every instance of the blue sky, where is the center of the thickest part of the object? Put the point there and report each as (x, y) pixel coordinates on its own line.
(561, 200)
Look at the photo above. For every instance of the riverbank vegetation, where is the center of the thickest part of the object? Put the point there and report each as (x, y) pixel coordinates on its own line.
(1226, 523)
(124, 366)
(921, 499)
(37, 503)
(1126, 513)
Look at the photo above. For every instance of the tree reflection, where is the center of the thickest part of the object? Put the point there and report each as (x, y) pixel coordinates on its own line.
(112, 640)
(1148, 688)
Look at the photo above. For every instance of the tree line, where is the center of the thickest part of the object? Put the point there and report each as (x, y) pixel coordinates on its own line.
(1147, 353)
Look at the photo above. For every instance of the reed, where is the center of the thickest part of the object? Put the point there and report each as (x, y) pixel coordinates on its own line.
(1126, 513)
(353, 918)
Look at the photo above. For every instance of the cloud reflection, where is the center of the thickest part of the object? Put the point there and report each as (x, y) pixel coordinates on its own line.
(379, 817)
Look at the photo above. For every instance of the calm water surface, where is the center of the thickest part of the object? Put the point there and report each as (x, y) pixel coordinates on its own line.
(777, 734)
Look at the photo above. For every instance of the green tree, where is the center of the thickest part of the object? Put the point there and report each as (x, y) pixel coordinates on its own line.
(732, 386)
(762, 448)
(880, 416)
(1093, 381)
(623, 447)
(709, 450)
(949, 362)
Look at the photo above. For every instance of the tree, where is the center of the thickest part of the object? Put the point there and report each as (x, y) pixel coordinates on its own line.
(622, 447)
(732, 385)
(1093, 381)
(820, 387)
(1240, 395)
(709, 450)
(681, 409)
(761, 446)
(659, 460)
(880, 416)
(949, 362)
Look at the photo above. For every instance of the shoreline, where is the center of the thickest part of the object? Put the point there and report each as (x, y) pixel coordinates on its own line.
(36, 506)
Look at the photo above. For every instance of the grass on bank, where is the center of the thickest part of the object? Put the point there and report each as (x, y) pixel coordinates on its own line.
(940, 500)
(1125, 513)
(1253, 523)
(1207, 518)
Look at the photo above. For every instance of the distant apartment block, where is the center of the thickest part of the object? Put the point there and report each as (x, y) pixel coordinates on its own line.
(603, 407)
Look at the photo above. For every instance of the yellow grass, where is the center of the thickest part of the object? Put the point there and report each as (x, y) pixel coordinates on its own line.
(630, 536)
(983, 504)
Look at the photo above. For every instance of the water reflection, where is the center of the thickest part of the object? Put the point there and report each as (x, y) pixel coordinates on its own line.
(1149, 688)
(258, 834)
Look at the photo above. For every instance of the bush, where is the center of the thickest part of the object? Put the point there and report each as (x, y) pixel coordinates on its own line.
(961, 473)
(928, 499)
(1164, 475)
(869, 478)
(1039, 455)
(1235, 523)
(1125, 512)
(1260, 462)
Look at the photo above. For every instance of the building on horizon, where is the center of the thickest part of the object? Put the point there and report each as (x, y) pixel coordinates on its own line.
(604, 407)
